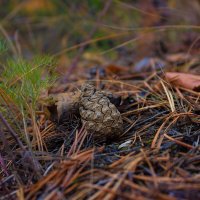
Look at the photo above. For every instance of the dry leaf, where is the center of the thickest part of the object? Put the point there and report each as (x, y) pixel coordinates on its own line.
(60, 106)
(188, 81)
(67, 103)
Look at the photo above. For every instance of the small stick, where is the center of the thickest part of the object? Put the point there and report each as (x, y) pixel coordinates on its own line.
(12, 132)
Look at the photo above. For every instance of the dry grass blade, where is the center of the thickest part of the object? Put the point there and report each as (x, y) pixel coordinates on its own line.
(169, 97)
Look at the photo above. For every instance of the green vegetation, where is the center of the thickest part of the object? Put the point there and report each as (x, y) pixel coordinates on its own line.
(21, 85)
(24, 80)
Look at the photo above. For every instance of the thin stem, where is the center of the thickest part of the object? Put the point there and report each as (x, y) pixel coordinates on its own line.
(12, 132)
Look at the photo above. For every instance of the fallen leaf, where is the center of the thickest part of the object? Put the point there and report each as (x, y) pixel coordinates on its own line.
(61, 105)
(188, 81)
(67, 103)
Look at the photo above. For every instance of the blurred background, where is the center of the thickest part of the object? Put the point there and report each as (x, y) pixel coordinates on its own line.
(95, 33)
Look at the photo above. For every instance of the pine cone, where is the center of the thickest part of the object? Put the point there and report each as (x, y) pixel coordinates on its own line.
(100, 116)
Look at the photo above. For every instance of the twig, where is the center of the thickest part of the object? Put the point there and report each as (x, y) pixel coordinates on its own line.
(12, 132)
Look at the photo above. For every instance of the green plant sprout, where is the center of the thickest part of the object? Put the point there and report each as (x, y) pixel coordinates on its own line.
(24, 80)
(21, 84)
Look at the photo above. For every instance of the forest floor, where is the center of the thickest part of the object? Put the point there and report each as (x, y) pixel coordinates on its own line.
(46, 150)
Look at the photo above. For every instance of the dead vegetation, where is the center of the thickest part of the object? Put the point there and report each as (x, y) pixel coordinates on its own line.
(160, 161)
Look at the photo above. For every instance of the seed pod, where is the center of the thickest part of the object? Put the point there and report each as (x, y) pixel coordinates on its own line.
(100, 116)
